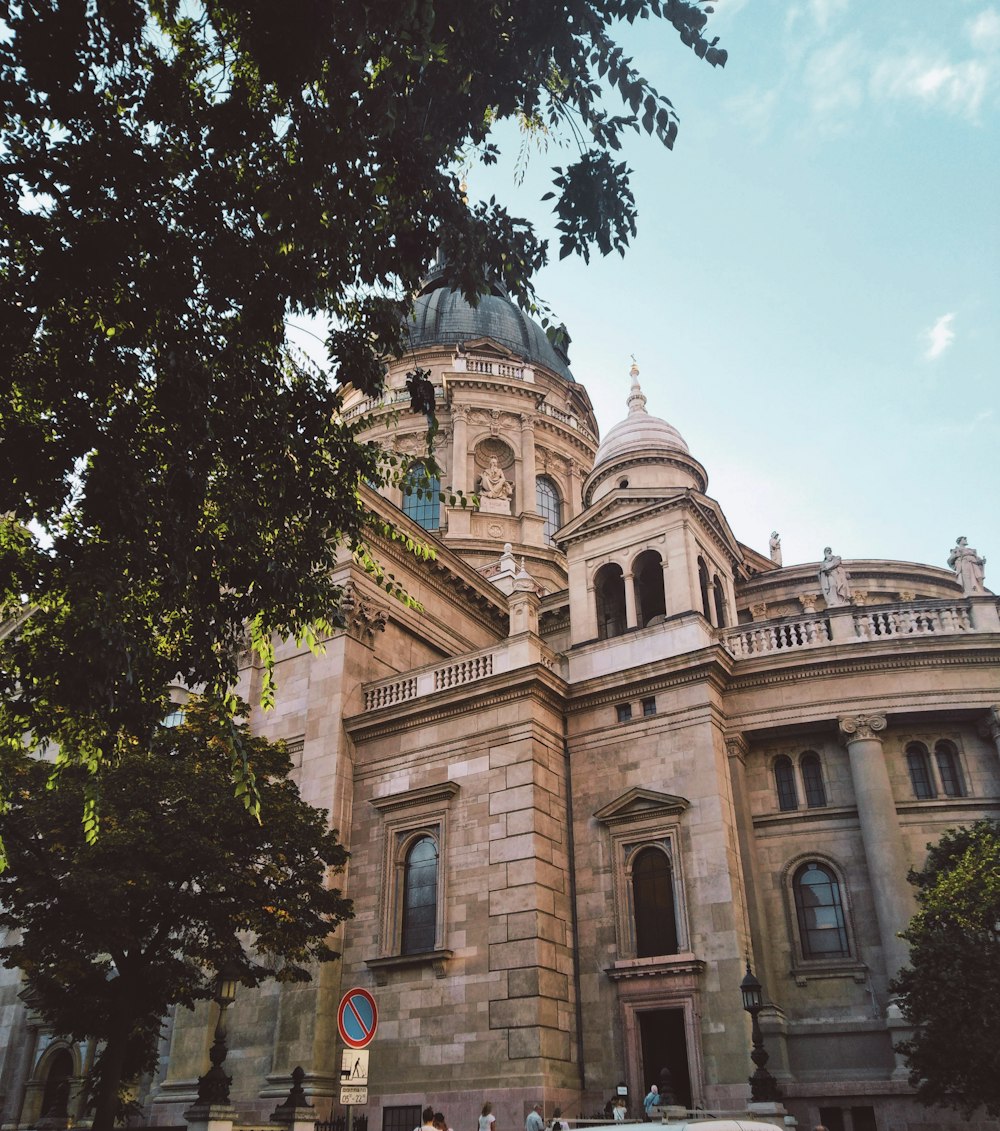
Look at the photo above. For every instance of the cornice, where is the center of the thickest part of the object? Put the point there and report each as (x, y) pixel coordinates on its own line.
(611, 688)
(411, 798)
(617, 465)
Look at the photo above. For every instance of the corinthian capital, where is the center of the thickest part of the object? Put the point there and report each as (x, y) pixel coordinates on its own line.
(737, 746)
(861, 726)
(990, 726)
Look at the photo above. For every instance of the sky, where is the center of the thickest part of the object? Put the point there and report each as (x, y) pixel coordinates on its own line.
(813, 297)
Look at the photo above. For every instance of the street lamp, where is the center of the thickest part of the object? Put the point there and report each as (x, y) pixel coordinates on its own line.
(763, 1086)
(213, 1087)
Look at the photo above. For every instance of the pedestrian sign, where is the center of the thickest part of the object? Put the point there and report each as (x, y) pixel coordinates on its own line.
(354, 1068)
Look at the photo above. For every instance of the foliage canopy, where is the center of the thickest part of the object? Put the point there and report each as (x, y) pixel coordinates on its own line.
(178, 178)
(180, 884)
(949, 990)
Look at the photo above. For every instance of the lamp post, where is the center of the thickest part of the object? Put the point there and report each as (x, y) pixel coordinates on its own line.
(763, 1086)
(213, 1087)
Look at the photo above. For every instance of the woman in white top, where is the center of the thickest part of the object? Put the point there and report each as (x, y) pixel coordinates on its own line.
(487, 1120)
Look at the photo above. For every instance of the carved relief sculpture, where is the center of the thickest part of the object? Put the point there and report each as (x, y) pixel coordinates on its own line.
(493, 483)
(833, 580)
(968, 567)
(774, 544)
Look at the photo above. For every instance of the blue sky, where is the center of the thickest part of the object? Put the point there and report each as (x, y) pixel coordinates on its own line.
(814, 294)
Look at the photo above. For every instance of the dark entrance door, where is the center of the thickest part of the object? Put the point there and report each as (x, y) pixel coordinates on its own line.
(664, 1046)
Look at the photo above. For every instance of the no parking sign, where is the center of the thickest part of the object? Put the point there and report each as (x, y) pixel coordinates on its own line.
(357, 1018)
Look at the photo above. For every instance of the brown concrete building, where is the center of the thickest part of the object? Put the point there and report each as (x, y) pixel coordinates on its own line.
(615, 755)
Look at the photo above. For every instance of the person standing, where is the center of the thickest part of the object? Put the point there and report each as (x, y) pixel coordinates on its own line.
(487, 1120)
(652, 1100)
(535, 1122)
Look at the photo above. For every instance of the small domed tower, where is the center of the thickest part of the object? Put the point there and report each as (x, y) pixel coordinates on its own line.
(515, 429)
(650, 547)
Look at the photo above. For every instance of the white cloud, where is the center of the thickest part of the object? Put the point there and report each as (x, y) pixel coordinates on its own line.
(956, 87)
(939, 337)
(824, 12)
(984, 30)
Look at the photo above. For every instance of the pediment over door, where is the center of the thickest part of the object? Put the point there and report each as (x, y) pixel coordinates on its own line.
(641, 804)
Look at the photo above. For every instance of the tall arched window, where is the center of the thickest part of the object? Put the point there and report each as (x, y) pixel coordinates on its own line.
(647, 574)
(719, 596)
(653, 904)
(609, 590)
(812, 780)
(420, 885)
(422, 497)
(55, 1098)
(549, 505)
(703, 585)
(820, 912)
(919, 766)
(784, 781)
(949, 769)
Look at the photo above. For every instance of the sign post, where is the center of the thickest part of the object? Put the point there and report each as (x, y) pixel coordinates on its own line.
(357, 1020)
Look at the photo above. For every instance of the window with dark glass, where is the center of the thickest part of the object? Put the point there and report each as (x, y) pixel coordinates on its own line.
(784, 780)
(549, 506)
(624, 712)
(403, 1118)
(920, 771)
(949, 769)
(653, 904)
(647, 580)
(420, 878)
(421, 497)
(812, 780)
(719, 596)
(703, 585)
(609, 588)
(820, 913)
(649, 706)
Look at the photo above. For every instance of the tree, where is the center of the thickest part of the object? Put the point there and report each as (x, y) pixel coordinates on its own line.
(109, 934)
(950, 988)
(177, 180)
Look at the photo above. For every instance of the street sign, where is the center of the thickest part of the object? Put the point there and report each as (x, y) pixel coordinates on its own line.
(355, 1096)
(354, 1068)
(357, 1018)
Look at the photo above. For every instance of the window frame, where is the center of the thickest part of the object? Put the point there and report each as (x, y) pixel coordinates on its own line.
(818, 786)
(804, 966)
(785, 785)
(407, 819)
(917, 755)
(413, 505)
(551, 514)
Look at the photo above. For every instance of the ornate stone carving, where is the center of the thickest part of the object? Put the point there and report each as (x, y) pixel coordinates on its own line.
(853, 727)
(758, 610)
(833, 580)
(808, 602)
(990, 726)
(362, 616)
(493, 483)
(968, 567)
(737, 746)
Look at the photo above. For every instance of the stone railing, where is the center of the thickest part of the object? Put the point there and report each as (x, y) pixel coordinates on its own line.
(492, 368)
(440, 677)
(849, 625)
(566, 418)
(390, 399)
(755, 639)
(516, 652)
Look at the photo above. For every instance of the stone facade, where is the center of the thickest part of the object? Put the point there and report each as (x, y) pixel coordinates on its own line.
(599, 688)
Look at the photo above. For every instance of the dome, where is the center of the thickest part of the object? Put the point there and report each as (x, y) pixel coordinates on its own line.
(642, 452)
(443, 317)
(639, 432)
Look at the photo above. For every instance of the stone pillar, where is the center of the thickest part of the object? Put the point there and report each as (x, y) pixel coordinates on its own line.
(460, 447)
(527, 484)
(990, 727)
(665, 565)
(885, 852)
(984, 614)
(574, 499)
(631, 621)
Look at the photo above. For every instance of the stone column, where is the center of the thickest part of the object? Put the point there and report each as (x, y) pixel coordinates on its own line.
(527, 485)
(885, 852)
(574, 499)
(631, 620)
(665, 565)
(990, 727)
(460, 447)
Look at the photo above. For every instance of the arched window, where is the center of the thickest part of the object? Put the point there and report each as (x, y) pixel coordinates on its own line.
(609, 588)
(949, 769)
(703, 585)
(784, 780)
(647, 574)
(720, 602)
(820, 912)
(421, 497)
(420, 883)
(55, 1098)
(549, 506)
(920, 771)
(812, 780)
(653, 904)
